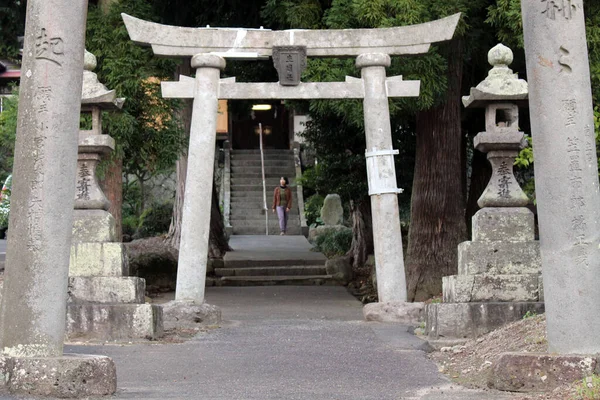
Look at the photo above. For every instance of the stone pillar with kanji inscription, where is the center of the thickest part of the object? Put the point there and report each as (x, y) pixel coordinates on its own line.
(566, 171)
(32, 314)
(499, 270)
(104, 302)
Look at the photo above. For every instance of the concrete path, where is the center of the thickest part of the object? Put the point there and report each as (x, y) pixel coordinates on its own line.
(267, 250)
(284, 343)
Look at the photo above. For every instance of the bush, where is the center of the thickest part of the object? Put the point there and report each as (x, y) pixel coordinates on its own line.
(334, 243)
(312, 209)
(130, 225)
(4, 211)
(155, 220)
(5, 202)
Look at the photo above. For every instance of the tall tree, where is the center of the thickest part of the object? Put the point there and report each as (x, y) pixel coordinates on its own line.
(438, 201)
(148, 137)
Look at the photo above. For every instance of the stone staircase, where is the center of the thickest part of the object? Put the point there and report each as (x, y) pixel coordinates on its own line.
(272, 260)
(247, 216)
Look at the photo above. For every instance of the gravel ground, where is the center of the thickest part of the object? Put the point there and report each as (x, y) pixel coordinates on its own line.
(470, 364)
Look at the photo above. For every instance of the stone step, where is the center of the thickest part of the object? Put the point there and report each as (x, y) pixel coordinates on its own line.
(268, 163)
(298, 270)
(249, 214)
(265, 151)
(256, 230)
(254, 202)
(254, 193)
(272, 179)
(312, 280)
(273, 223)
(281, 171)
(256, 158)
(256, 180)
(313, 261)
(254, 187)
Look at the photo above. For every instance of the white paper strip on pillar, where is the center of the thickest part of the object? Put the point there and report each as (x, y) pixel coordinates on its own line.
(377, 185)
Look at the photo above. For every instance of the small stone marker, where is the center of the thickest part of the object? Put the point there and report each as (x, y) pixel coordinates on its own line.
(566, 171)
(32, 314)
(332, 212)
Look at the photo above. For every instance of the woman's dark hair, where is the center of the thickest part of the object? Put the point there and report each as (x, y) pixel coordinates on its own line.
(287, 182)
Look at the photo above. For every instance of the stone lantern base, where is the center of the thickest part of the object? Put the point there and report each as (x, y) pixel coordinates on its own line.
(71, 376)
(104, 303)
(498, 281)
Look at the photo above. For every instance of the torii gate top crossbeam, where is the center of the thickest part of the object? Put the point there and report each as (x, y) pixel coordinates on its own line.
(176, 41)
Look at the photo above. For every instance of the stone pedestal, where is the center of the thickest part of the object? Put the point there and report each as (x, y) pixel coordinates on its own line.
(498, 281)
(104, 303)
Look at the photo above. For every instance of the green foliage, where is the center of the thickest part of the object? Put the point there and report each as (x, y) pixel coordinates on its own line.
(312, 209)
(8, 132)
(148, 136)
(5, 202)
(129, 225)
(155, 220)
(12, 23)
(529, 314)
(334, 243)
(588, 388)
(505, 16)
(525, 157)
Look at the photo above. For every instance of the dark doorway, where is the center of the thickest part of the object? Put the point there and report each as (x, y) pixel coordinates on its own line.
(275, 123)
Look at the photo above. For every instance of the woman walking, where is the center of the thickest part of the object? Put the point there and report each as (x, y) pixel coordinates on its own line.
(282, 202)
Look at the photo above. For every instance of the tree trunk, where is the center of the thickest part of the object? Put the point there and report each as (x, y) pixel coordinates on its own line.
(174, 235)
(362, 233)
(217, 243)
(480, 177)
(112, 185)
(185, 116)
(438, 205)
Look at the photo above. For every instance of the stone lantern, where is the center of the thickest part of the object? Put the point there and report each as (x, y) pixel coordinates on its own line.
(499, 271)
(104, 302)
(93, 145)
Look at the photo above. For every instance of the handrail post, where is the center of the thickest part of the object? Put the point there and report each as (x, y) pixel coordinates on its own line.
(264, 184)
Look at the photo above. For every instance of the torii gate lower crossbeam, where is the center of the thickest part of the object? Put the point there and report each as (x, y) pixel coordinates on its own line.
(206, 89)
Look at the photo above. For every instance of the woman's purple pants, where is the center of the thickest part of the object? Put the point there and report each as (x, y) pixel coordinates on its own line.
(283, 217)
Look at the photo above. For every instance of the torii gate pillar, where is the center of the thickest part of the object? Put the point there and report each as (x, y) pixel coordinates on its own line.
(193, 250)
(387, 237)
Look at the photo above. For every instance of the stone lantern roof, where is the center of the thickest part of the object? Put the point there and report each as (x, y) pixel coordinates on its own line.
(94, 93)
(501, 83)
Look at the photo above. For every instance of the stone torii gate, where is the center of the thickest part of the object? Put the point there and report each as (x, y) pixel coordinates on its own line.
(208, 48)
